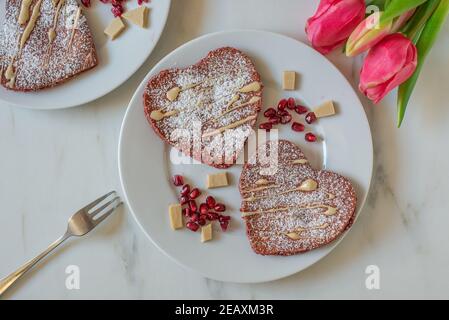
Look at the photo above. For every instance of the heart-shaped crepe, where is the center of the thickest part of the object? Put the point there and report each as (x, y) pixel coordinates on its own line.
(44, 43)
(209, 109)
(288, 206)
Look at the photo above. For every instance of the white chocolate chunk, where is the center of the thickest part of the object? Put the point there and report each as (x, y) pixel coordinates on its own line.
(217, 180)
(289, 80)
(137, 16)
(175, 212)
(206, 233)
(115, 28)
(325, 110)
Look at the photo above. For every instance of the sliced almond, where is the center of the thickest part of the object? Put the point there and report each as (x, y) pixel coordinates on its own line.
(115, 28)
(206, 233)
(175, 212)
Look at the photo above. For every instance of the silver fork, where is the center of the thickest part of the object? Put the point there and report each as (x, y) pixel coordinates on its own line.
(80, 224)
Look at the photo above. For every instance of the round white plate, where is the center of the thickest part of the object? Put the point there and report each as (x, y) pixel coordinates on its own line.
(146, 170)
(118, 59)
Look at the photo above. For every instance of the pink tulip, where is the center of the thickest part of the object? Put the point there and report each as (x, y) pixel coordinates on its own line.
(333, 22)
(388, 64)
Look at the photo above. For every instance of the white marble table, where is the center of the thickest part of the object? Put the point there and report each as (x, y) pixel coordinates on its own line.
(53, 162)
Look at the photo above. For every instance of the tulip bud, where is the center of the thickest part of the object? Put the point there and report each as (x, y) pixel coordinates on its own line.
(333, 22)
(369, 32)
(388, 64)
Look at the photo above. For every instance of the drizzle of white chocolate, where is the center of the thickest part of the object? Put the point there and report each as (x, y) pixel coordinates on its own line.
(234, 99)
(329, 210)
(296, 235)
(31, 24)
(242, 105)
(300, 161)
(229, 126)
(52, 30)
(75, 25)
(24, 14)
(158, 115)
(306, 186)
(262, 182)
(255, 86)
(174, 92)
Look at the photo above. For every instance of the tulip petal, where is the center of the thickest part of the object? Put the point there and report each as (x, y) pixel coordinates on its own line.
(333, 23)
(385, 60)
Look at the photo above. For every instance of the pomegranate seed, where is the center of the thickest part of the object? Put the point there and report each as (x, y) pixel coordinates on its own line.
(204, 208)
(224, 225)
(291, 103)
(220, 207)
(301, 109)
(193, 206)
(195, 193)
(274, 120)
(117, 11)
(202, 222)
(310, 137)
(212, 216)
(178, 180)
(86, 3)
(211, 202)
(286, 119)
(266, 126)
(298, 127)
(192, 226)
(310, 117)
(224, 218)
(282, 104)
(271, 112)
(183, 200)
(185, 190)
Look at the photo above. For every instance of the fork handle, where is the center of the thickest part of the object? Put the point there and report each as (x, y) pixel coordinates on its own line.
(8, 281)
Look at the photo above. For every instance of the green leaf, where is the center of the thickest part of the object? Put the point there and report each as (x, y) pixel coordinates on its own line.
(425, 43)
(378, 3)
(397, 7)
(413, 28)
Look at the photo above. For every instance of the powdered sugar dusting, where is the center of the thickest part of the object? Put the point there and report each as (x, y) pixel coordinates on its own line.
(280, 211)
(202, 109)
(43, 63)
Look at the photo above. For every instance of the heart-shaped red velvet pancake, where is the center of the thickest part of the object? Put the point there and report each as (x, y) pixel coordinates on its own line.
(288, 206)
(209, 109)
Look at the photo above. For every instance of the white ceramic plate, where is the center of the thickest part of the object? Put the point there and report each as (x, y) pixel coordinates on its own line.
(119, 59)
(145, 169)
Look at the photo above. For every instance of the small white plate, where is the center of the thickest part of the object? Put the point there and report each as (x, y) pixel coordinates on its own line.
(118, 59)
(146, 170)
